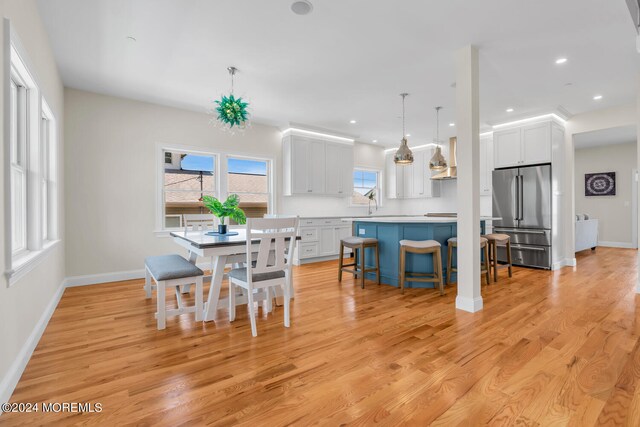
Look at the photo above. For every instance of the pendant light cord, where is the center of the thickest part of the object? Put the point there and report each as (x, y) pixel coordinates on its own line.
(438, 125)
(232, 72)
(403, 95)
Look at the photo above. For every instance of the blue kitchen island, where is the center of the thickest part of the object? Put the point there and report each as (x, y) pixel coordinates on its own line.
(390, 230)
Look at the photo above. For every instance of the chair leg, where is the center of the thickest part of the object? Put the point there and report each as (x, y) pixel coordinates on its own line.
(252, 313)
(438, 269)
(287, 307)
(509, 257)
(289, 283)
(232, 301)
(270, 294)
(362, 265)
(162, 306)
(449, 262)
(199, 311)
(487, 274)
(179, 297)
(403, 254)
(377, 264)
(340, 262)
(147, 283)
(494, 260)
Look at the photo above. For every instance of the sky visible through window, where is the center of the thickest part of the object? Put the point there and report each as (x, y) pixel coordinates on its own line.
(252, 167)
(364, 181)
(192, 162)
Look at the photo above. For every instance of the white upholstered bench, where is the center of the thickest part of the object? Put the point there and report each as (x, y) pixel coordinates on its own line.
(172, 271)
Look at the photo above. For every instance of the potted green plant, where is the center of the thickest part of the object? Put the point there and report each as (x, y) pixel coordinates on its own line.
(223, 210)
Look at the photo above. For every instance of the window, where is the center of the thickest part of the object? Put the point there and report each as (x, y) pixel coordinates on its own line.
(47, 175)
(44, 178)
(366, 183)
(192, 174)
(31, 160)
(186, 179)
(18, 149)
(249, 179)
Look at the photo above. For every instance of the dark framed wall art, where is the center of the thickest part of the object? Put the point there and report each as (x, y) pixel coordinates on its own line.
(600, 184)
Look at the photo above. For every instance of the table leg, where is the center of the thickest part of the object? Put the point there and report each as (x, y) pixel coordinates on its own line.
(193, 258)
(211, 306)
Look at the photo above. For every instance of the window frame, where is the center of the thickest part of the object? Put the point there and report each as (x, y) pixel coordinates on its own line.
(18, 129)
(48, 175)
(379, 178)
(220, 173)
(270, 187)
(18, 69)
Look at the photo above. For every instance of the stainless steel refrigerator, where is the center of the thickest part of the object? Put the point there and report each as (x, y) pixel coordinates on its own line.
(522, 198)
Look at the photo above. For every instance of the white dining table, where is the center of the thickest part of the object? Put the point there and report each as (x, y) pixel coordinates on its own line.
(223, 251)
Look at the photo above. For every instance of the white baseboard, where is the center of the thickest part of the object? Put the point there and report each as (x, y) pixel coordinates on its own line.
(118, 276)
(626, 245)
(16, 369)
(567, 262)
(469, 304)
(9, 382)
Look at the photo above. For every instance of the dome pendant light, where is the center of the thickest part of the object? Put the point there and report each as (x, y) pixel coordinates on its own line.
(403, 156)
(438, 162)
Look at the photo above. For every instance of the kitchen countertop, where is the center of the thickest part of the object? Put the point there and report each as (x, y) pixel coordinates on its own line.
(414, 219)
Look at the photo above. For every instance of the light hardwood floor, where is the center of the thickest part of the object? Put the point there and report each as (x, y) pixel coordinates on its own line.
(549, 348)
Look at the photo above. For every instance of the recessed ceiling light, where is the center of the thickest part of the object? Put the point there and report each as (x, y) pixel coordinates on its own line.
(375, 140)
(408, 134)
(131, 38)
(452, 124)
(597, 97)
(353, 122)
(561, 61)
(509, 110)
(301, 7)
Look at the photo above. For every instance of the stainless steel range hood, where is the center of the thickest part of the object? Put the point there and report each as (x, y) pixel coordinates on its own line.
(452, 171)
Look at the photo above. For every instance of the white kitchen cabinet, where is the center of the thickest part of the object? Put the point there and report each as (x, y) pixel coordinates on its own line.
(314, 166)
(317, 164)
(536, 143)
(418, 174)
(486, 165)
(507, 148)
(320, 239)
(411, 181)
(523, 145)
(339, 169)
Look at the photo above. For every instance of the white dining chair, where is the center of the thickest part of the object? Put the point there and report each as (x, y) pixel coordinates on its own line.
(270, 270)
(199, 222)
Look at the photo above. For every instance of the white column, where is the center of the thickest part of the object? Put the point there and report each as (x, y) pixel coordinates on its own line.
(468, 156)
(638, 166)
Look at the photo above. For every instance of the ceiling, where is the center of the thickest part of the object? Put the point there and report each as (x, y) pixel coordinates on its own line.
(611, 136)
(349, 60)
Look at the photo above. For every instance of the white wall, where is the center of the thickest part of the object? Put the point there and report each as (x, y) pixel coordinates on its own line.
(22, 305)
(108, 191)
(613, 212)
(594, 120)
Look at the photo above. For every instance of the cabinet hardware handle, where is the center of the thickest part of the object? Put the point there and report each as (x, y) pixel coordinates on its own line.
(309, 191)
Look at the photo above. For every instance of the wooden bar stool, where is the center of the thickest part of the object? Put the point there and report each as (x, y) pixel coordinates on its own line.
(421, 247)
(358, 243)
(484, 265)
(496, 240)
